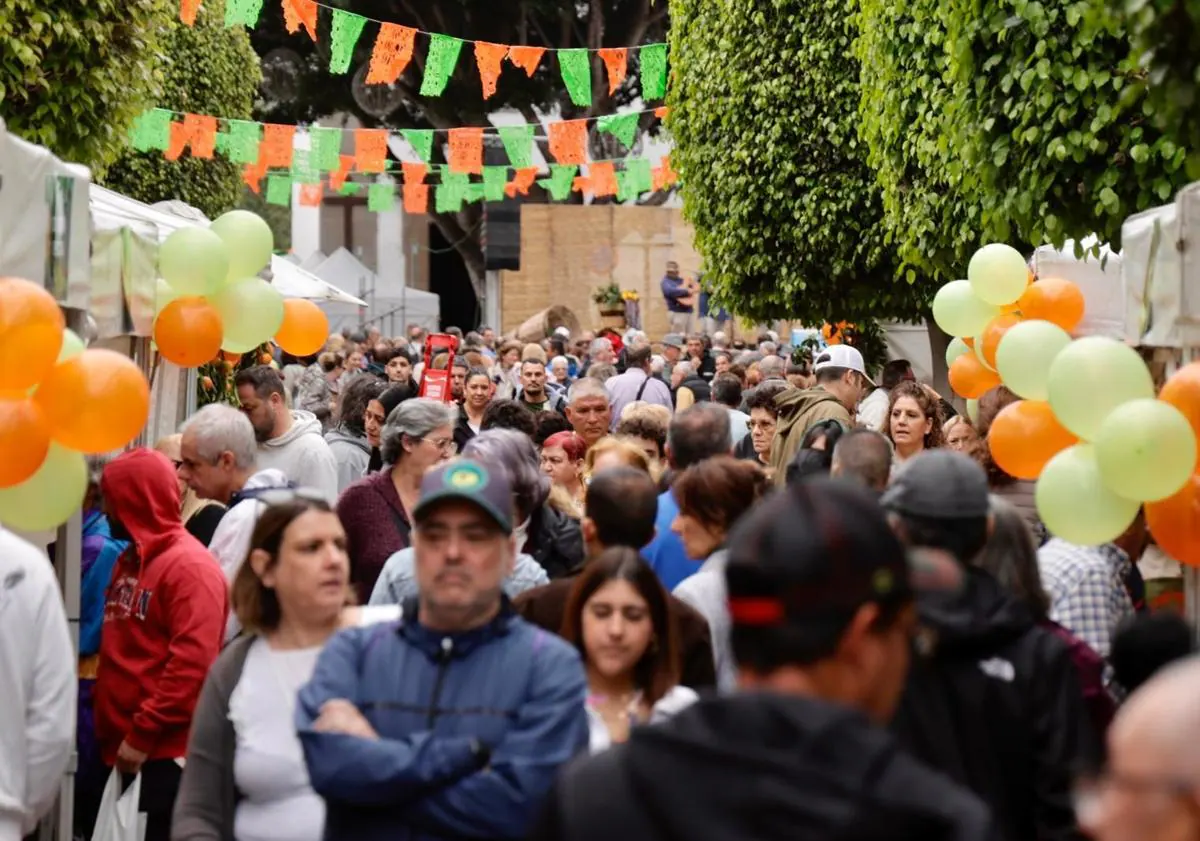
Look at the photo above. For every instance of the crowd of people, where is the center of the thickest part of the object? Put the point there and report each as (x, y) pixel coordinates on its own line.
(611, 588)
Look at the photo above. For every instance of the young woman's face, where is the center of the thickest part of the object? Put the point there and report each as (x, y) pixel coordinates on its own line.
(909, 426)
(399, 369)
(354, 362)
(373, 420)
(617, 629)
(511, 358)
(558, 466)
(699, 538)
(311, 576)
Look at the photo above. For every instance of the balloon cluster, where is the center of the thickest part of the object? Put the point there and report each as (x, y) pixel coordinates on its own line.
(210, 298)
(1088, 427)
(58, 402)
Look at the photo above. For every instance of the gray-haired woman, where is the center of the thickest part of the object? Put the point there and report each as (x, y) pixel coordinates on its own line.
(418, 434)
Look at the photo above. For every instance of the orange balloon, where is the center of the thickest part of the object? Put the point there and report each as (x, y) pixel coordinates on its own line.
(993, 333)
(1053, 299)
(95, 402)
(1175, 522)
(31, 333)
(1182, 391)
(189, 331)
(969, 341)
(24, 438)
(1026, 435)
(970, 379)
(305, 328)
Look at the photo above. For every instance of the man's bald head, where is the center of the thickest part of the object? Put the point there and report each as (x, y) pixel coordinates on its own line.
(1166, 706)
(864, 456)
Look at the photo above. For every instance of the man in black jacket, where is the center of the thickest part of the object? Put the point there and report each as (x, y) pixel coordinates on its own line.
(997, 705)
(821, 607)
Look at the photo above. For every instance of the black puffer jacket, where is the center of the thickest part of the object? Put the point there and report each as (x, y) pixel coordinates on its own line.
(555, 541)
(999, 708)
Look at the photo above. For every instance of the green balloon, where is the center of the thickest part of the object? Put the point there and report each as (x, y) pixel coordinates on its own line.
(194, 261)
(248, 239)
(163, 295)
(998, 274)
(973, 409)
(1146, 450)
(959, 311)
(1075, 504)
(72, 345)
(1092, 376)
(49, 497)
(1024, 355)
(251, 310)
(955, 349)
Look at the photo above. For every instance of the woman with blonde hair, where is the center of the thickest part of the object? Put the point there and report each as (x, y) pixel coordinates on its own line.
(200, 516)
(613, 451)
(961, 435)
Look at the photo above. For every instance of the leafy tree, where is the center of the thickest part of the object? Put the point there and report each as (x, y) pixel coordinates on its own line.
(73, 75)
(775, 181)
(208, 70)
(301, 89)
(1166, 35)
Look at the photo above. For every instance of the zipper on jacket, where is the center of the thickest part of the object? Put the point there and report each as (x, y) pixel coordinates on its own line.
(443, 664)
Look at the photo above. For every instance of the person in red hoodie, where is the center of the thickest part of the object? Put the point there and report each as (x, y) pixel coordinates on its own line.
(164, 619)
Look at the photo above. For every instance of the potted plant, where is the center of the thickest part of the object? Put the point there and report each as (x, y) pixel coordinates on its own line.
(611, 304)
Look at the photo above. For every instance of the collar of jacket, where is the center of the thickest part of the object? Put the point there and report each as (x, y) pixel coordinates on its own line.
(431, 642)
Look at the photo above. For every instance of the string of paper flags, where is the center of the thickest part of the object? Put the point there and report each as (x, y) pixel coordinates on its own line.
(394, 46)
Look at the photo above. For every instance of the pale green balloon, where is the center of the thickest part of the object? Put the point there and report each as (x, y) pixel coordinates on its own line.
(955, 349)
(72, 345)
(973, 409)
(248, 239)
(1092, 376)
(1146, 450)
(1075, 504)
(959, 311)
(251, 310)
(998, 274)
(978, 347)
(49, 497)
(163, 295)
(194, 261)
(1024, 355)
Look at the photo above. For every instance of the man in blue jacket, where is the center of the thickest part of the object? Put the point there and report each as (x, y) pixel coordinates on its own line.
(452, 722)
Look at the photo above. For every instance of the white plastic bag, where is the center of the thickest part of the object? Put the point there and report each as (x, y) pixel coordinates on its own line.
(118, 819)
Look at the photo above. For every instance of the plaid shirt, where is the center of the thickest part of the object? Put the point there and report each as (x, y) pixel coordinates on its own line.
(1086, 585)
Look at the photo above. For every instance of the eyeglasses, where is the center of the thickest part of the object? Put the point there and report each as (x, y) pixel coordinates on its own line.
(446, 445)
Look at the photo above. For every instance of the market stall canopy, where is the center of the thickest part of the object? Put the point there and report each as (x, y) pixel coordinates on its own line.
(1097, 274)
(390, 308)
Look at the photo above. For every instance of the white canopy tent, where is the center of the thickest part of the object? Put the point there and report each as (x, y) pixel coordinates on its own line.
(389, 309)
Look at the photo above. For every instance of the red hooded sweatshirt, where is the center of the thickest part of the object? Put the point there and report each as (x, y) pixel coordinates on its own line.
(164, 615)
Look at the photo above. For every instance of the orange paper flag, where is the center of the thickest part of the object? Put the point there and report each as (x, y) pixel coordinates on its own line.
(489, 57)
(662, 111)
(276, 149)
(187, 11)
(311, 195)
(522, 180)
(414, 173)
(604, 179)
(338, 179)
(581, 184)
(616, 62)
(391, 55)
(568, 141)
(201, 131)
(297, 13)
(466, 150)
(177, 142)
(370, 149)
(663, 175)
(527, 58)
(253, 174)
(416, 197)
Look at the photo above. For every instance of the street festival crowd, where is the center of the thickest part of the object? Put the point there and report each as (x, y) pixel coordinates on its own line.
(695, 588)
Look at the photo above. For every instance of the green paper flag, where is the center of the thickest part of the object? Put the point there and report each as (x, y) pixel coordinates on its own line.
(475, 192)
(381, 197)
(303, 169)
(439, 64)
(244, 137)
(626, 186)
(560, 182)
(421, 139)
(576, 69)
(518, 143)
(350, 188)
(495, 179)
(242, 12)
(640, 174)
(279, 189)
(326, 148)
(448, 197)
(151, 130)
(652, 62)
(621, 126)
(347, 26)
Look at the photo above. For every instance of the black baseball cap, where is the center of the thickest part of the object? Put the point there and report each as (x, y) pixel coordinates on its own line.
(467, 480)
(939, 484)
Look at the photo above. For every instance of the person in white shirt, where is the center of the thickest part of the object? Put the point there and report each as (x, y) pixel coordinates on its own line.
(873, 410)
(37, 684)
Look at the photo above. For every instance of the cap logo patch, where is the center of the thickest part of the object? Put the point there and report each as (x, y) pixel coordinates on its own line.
(466, 477)
(883, 581)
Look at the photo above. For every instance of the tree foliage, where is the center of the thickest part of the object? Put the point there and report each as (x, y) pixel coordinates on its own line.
(1166, 36)
(208, 70)
(775, 181)
(73, 74)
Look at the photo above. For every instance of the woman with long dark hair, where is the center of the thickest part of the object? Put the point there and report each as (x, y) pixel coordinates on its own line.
(618, 618)
(914, 421)
(348, 439)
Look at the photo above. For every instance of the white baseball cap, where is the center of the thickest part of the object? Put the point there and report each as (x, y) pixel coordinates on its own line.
(842, 356)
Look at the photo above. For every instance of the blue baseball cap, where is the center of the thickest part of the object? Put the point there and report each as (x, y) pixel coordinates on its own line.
(485, 486)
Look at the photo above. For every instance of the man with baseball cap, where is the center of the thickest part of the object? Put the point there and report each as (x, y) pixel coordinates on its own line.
(452, 723)
(823, 622)
(842, 381)
(997, 705)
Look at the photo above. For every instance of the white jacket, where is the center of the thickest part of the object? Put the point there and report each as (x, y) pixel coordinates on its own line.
(303, 455)
(38, 687)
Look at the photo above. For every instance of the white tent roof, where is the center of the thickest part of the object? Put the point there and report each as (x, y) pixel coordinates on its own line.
(111, 209)
(390, 309)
